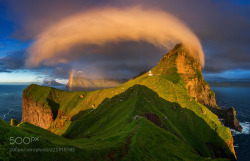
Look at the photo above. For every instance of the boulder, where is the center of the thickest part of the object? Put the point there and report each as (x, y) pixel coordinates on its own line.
(136, 117)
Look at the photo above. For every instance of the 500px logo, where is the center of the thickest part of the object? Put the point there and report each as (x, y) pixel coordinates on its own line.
(23, 140)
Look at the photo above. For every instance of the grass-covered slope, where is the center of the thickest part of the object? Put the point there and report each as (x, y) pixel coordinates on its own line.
(111, 132)
(171, 89)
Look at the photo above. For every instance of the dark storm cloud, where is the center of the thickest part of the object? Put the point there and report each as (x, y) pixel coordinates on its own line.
(223, 27)
(131, 60)
(15, 61)
(62, 71)
(105, 62)
(33, 16)
(12, 61)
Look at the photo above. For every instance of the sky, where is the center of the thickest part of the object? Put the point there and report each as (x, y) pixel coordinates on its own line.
(119, 39)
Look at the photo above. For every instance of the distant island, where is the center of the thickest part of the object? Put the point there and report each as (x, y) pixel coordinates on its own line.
(51, 82)
(229, 84)
(79, 83)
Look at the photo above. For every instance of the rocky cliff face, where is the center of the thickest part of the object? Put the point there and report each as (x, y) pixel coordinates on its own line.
(180, 60)
(35, 113)
(228, 117)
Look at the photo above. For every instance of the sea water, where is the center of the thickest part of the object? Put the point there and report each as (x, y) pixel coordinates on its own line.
(11, 101)
(237, 97)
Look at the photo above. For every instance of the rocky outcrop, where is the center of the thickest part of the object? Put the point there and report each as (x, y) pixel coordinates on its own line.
(230, 120)
(42, 116)
(228, 117)
(180, 60)
(154, 118)
(218, 152)
(60, 122)
(35, 113)
(188, 67)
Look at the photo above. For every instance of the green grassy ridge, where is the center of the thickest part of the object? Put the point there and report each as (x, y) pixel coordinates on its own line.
(85, 149)
(172, 88)
(63, 98)
(173, 92)
(182, 122)
(168, 146)
(46, 140)
(148, 134)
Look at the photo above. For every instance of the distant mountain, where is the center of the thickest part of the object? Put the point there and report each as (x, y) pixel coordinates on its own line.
(84, 84)
(229, 84)
(51, 82)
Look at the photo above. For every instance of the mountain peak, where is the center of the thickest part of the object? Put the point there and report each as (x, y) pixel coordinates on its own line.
(180, 62)
(180, 47)
(183, 57)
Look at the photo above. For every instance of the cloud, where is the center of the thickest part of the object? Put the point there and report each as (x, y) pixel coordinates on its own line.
(5, 71)
(222, 27)
(101, 26)
(12, 61)
(114, 60)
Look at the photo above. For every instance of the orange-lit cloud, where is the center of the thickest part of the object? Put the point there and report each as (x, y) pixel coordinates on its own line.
(101, 26)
